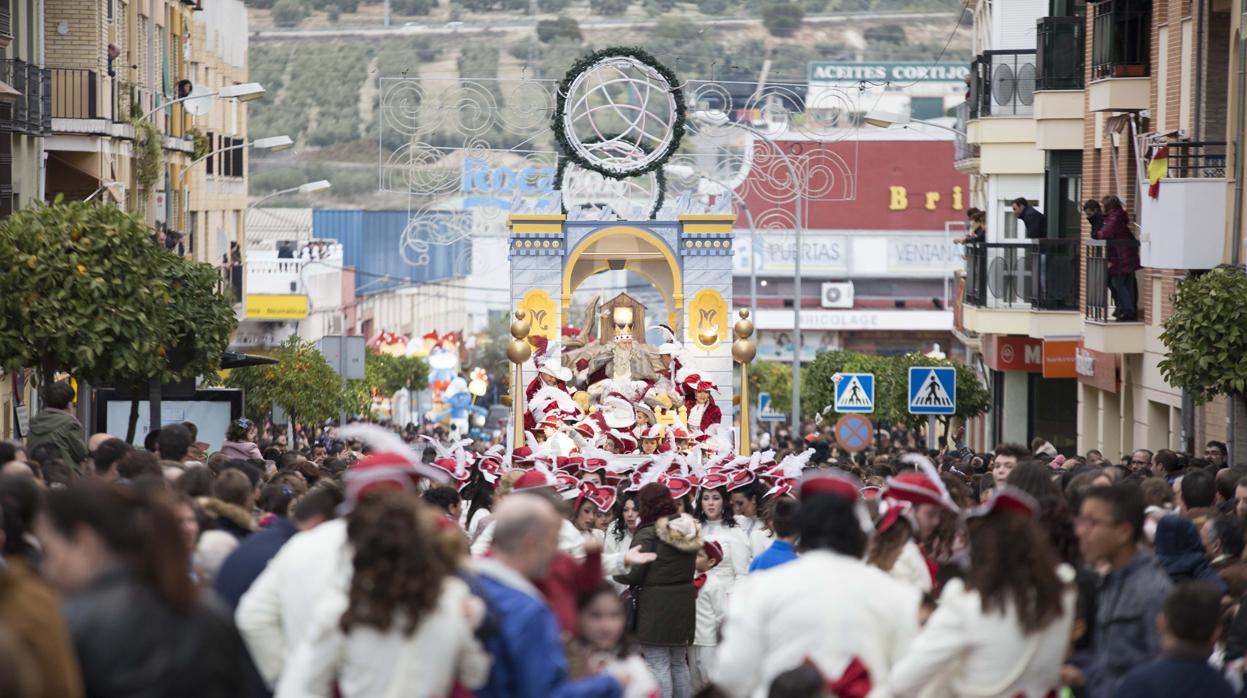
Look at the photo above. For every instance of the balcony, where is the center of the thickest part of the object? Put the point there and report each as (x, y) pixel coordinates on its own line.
(1059, 53)
(1002, 83)
(1102, 331)
(1120, 55)
(32, 110)
(1184, 226)
(230, 282)
(6, 25)
(1026, 287)
(76, 95)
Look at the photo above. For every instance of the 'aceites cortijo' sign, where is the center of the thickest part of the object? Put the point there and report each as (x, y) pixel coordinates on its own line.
(886, 72)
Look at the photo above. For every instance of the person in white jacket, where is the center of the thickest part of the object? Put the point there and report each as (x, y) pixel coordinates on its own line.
(828, 606)
(747, 504)
(718, 524)
(403, 627)
(273, 616)
(1004, 630)
(711, 607)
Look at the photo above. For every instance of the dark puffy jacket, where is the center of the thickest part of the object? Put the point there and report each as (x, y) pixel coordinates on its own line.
(130, 643)
(1123, 256)
(61, 430)
(666, 609)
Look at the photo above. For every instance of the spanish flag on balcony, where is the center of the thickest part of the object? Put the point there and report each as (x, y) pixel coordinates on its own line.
(1157, 168)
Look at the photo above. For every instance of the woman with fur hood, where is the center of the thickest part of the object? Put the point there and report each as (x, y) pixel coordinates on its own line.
(665, 596)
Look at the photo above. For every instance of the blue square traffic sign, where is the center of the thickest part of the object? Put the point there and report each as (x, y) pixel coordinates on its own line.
(855, 392)
(932, 390)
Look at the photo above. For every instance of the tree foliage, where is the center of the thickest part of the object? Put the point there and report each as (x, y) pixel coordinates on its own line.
(782, 19)
(772, 377)
(302, 383)
(891, 385)
(389, 374)
(288, 13)
(1207, 335)
(564, 27)
(84, 290)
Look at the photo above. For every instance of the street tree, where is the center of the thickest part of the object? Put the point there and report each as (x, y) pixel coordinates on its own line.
(302, 383)
(1207, 336)
(389, 374)
(782, 19)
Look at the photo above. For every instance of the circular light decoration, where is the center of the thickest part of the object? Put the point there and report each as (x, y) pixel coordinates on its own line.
(619, 113)
(628, 197)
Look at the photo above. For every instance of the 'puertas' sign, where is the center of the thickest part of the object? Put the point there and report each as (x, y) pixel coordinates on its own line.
(886, 72)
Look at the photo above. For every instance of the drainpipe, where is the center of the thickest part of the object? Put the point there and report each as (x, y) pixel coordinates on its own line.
(1240, 131)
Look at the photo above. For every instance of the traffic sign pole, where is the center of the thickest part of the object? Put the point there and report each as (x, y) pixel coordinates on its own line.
(931, 443)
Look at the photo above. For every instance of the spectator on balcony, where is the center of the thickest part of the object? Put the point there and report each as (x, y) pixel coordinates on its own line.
(1095, 216)
(976, 227)
(1123, 259)
(1030, 217)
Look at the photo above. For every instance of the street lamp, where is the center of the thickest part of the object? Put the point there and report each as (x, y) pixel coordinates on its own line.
(720, 118)
(887, 120)
(245, 92)
(307, 188)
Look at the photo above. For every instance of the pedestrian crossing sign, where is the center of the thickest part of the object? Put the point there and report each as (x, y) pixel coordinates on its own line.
(932, 390)
(855, 392)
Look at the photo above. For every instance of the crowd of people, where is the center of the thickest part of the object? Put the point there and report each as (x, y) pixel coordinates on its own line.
(369, 562)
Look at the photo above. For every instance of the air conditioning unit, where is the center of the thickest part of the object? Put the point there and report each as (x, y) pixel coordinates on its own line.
(838, 294)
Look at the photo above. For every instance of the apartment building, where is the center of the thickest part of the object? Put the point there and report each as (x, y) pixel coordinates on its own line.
(1116, 83)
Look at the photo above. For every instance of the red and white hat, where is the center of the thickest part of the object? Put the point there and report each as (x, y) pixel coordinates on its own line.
(1007, 499)
(714, 550)
(678, 486)
(713, 481)
(652, 432)
(593, 464)
(534, 479)
(740, 478)
(829, 482)
(681, 434)
(617, 413)
(918, 488)
(603, 498)
(551, 421)
(379, 470)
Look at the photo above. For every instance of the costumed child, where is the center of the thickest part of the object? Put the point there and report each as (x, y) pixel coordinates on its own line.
(711, 607)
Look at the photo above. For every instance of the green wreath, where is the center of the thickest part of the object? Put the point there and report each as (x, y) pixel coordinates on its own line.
(660, 182)
(582, 65)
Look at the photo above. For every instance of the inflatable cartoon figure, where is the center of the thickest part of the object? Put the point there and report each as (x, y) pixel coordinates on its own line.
(459, 405)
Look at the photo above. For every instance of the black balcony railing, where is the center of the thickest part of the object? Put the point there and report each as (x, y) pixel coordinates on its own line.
(1042, 274)
(1059, 53)
(1002, 83)
(962, 149)
(1100, 253)
(32, 109)
(1121, 39)
(75, 94)
(1197, 160)
(1054, 274)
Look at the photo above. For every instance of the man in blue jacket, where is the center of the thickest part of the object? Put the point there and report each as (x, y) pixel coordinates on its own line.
(528, 655)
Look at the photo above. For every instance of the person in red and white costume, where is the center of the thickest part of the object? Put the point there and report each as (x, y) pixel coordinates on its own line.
(1005, 629)
(699, 403)
(828, 607)
(928, 497)
(551, 373)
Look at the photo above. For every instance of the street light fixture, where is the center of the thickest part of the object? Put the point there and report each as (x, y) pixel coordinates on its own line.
(720, 118)
(245, 92)
(886, 120)
(307, 188)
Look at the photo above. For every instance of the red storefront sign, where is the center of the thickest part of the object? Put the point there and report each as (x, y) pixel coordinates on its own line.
(1058, 358)
(1097, 369)
(1013, 353)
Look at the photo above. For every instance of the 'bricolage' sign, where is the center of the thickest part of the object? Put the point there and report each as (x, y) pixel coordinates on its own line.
(886, 72)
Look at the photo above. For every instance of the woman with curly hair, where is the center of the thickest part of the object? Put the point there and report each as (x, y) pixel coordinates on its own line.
(719, 524)
(1004, 630)
(620, 531)
(402, 626)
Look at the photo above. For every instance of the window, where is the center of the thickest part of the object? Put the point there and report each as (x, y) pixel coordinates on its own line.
(211, 146)
(1063, 193)
(926, 108)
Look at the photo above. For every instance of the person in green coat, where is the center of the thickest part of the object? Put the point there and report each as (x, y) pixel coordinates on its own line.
(666, 597)
(57, 427)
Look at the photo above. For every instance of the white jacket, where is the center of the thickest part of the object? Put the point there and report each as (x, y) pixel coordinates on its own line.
(369, 663)
(911, 567)
(614, 548)
(759, 537)
(985, 654)
(825, 606)
(571, 540)
(737, 553)
(711, 608)
(274, 614)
